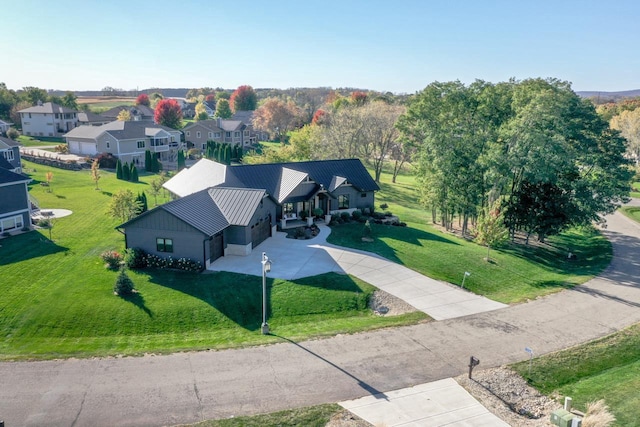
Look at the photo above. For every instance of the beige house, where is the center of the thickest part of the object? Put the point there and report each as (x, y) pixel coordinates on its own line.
(127, 140)
(48, 119)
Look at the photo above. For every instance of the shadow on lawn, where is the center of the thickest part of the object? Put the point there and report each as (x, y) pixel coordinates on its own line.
(350, 236)
(236, 296)
(138, 300)
(27, 246)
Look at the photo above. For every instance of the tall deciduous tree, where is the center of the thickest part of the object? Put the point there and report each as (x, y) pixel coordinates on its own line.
(168, 113)
(491, 230)
(201, 112)
(123, 205)
(34, 94)
(69, 100)
(143, 99)
(223, 110)
(276, 116)
(244, 98)
(628, 123)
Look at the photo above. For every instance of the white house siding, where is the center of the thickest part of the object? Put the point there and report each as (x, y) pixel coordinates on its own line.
(46, 124)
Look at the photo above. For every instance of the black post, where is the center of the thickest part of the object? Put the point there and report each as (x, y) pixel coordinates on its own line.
(473, 362)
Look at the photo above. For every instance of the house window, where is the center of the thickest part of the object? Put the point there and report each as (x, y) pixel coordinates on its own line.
(217, 135)
(227, 134)
(108, 146)
(141, 144)
(363, 195)
(29, 115)
(343, 201)
(8, 155)
(210, 134)
(246, 133)
(236, 134)
(57, 116)
(204, 146)
(287, 208)
(164, 245)
(188, 133)
(11, 223)
(198, 134)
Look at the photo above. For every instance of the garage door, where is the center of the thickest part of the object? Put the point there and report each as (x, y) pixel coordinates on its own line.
(260, 231)
(216, 247)
(76, 147)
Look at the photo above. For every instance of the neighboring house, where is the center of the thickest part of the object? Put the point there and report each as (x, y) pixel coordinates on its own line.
(229, 210)
(127, 140)
(139, 113)
(234, 132)
(246, 117)
(15, 206)
(4, 126)
(89, 118)
(48, 119)
(10, 151)
(182, 102)
(210, 108)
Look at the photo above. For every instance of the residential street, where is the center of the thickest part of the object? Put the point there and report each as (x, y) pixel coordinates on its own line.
(189, 387)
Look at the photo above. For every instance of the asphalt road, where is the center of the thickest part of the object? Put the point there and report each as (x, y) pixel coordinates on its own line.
(189, 387)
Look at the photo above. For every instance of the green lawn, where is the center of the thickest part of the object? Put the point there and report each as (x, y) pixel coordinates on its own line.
(632, 212)
(516, 273)
(29, 141)
(312, 416)
(607, 368)
(59, 300)
(636, 190)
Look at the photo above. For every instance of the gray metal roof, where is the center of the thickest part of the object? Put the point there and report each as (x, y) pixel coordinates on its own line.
(204, 174)
(237, 204)
(4, 163)
(89, 117)
(200, 211)
(289, 180)
(135, 110)
(49, 108)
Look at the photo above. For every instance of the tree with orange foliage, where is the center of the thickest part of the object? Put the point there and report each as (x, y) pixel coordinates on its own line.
(277, 116)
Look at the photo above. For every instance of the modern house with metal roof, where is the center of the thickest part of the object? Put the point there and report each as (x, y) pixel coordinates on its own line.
(48, 119)
(229, 210)
(127, 140)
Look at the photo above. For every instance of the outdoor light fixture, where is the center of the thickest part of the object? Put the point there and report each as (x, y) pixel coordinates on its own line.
(466, 274)
(266, 267)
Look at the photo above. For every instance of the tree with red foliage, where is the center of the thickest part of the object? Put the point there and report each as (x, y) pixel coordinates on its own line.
(210, 98)
(143, 99)
(358, 98)
(319, 117)
(244, 98)
(168, 113)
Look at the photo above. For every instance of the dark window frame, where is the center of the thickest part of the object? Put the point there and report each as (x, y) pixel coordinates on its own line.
(164, 244)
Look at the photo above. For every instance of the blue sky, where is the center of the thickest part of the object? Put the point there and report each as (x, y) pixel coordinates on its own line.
(399, 46)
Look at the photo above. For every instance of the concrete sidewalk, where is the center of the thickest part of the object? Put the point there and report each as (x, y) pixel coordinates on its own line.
(293, 259)
(435, 404)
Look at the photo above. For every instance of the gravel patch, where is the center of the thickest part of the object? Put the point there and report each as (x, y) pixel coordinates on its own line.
(385, 304)
(507, 395)
(345, 418)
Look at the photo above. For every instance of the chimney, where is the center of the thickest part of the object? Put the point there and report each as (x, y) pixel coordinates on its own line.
(219, 122)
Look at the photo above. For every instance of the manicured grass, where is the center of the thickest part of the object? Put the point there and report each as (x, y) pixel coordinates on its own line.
(515, 274)
(606, 368)
(59, 302)
(312, 416)
(636, 190)
(29, 141)
(632, 212)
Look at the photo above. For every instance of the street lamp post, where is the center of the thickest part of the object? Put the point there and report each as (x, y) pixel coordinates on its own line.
(266, 267)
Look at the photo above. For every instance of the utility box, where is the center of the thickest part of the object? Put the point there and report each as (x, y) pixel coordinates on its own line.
(576, 422)
(562, 418)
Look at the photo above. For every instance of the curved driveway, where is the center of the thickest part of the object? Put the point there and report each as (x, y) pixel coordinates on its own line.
(189, 387)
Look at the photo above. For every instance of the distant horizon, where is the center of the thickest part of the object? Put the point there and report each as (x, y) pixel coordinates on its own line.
(399, 48)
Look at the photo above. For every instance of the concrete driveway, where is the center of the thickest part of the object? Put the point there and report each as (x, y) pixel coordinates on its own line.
(293, 259)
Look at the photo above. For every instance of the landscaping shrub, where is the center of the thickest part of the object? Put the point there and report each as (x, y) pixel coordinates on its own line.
(388, 214)
(403, 224)
(62, 149)
(318, 212)
(44, 223)
(135, 258)
(345, 216)
(6, 234)
(186, 264)
(356, 215)
(124, 285)
(598, 415)
(363, 219)
(367, 211)
(12, 133)
(112, 259)
(304, 215)
(107, 160)
(384, 206)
